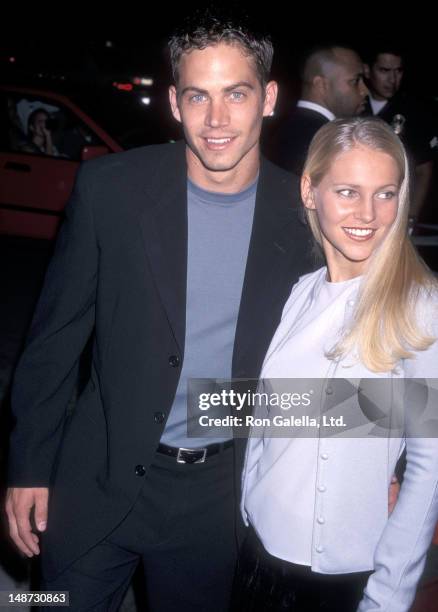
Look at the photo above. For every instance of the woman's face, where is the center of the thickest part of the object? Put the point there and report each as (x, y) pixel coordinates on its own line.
(356, 204)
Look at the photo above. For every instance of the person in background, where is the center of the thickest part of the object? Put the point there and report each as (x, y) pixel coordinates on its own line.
(40, 138)
(332, 86)
(408, 115)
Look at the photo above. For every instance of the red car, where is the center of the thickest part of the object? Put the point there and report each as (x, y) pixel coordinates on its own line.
(46, 136)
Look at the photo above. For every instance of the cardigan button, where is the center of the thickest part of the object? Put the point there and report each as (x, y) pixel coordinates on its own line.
(351, 303)
(324, 456)
(320, 549)
(322, 488)
(329, 390)
(320, 520)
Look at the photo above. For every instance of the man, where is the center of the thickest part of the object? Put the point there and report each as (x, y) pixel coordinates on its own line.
(409, 116)
(178, 258)
(384, 75)
(332, 86)
(39, 134)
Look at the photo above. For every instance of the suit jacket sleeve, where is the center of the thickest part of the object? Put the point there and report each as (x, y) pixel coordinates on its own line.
(47, 371)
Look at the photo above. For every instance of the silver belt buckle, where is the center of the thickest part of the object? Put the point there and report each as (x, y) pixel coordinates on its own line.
(179, 459)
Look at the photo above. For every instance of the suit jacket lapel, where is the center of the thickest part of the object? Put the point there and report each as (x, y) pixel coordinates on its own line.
(276, 237)
(278, 254)
(164, 229)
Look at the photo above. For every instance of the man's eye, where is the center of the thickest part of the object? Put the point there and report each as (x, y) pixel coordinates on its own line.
(237, 95)
(197, 98)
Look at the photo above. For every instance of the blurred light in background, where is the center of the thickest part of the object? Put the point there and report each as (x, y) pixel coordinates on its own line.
(123, 86)
(145, 81)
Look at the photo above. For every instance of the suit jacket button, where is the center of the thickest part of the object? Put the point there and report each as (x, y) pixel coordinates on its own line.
(140, 470)
(158, 417)
(174, 361)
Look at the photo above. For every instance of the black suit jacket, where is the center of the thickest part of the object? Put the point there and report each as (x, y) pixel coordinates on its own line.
(119, 273)
(291, 139)
(416, 122)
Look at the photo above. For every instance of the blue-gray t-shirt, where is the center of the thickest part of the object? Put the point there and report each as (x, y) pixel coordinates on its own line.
(219, 231)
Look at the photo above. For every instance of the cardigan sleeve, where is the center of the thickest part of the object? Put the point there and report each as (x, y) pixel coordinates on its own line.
(401, 552)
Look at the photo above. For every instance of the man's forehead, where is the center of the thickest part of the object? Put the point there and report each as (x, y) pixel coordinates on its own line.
(230, 50)
(216, 65)
(389, 60)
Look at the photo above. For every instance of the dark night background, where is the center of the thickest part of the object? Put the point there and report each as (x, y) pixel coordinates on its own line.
(83, 50)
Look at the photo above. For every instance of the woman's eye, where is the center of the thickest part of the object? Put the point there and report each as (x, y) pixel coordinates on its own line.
(347, 193)
(386, 195)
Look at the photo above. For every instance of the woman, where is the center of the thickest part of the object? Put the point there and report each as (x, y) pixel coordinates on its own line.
(320, 537)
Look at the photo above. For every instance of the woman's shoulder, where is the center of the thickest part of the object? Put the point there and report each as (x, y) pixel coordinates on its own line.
(426, 307)
(304, 287)
(309, 279)
(424, 363)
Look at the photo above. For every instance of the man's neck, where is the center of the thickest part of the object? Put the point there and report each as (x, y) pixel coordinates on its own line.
(233, 180)
(377, 97)
(377, 104)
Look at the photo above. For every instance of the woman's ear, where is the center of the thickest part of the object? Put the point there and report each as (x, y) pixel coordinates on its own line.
(307, 194)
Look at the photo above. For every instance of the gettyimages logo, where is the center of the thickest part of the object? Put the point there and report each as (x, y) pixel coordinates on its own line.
(367, 407)
(240, 400)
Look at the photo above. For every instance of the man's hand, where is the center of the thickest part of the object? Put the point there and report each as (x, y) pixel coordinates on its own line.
(19, 504)
(394, 490)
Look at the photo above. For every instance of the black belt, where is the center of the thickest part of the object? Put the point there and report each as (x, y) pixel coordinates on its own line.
(193, 455)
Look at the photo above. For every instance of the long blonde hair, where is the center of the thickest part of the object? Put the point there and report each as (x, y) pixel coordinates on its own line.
(385, 325)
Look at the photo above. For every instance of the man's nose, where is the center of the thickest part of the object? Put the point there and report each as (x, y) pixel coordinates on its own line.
(218, 114)
(363, 89)
(392, 77)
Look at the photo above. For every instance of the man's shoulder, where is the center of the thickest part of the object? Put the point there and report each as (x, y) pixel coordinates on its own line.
(151, 159)
(279, 187)
(275, 175)
(293, 134)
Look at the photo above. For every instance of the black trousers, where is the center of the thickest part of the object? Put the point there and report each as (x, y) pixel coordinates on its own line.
(264, 583)
(182, 528)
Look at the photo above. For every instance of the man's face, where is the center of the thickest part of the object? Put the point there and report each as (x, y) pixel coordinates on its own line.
(38, 126)
(345, 89)
(385, 76)
(220, 102)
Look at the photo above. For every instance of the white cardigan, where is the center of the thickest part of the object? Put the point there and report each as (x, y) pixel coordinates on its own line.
(323, 501)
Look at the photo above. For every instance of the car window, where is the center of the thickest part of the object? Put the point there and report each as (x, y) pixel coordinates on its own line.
(38, 126)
